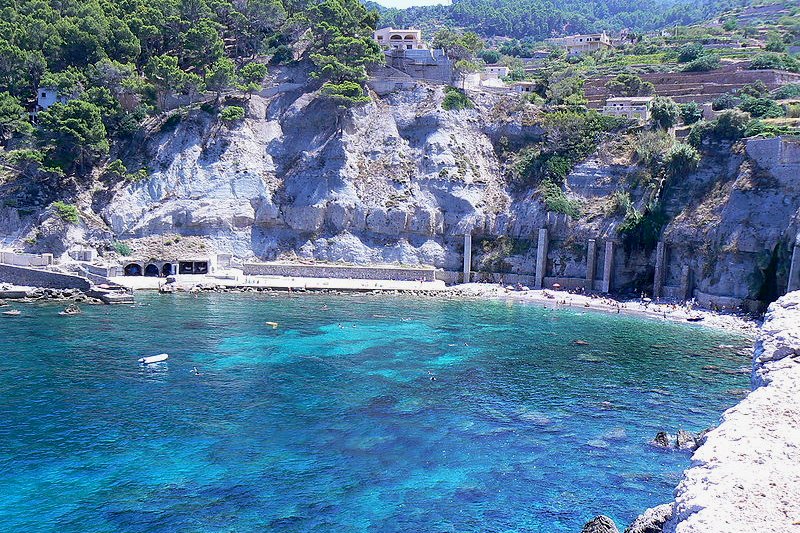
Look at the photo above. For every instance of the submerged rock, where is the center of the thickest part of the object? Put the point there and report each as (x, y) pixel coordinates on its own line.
(600, 524)
(652, 520)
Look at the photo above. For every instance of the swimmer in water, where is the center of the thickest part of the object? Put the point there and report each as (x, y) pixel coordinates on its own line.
(196, 372)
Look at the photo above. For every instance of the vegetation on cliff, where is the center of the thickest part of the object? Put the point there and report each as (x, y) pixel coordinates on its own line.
(539, 19)
(103, 66)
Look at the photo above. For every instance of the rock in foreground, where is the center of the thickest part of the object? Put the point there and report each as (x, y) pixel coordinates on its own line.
(652, 520)
(600, 524)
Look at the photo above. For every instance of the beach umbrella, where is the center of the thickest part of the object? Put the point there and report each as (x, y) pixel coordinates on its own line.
(556, 286)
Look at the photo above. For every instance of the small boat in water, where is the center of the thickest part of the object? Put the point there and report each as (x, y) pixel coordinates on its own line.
(154, 359)
(70, 310)
(273, 325)
(13, 312)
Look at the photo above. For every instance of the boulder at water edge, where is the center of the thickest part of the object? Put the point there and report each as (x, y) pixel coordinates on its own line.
(652, 520)
(600, 524)
(685, 440)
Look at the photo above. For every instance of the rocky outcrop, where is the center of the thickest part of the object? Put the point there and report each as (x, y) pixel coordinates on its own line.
(682, 440)
(652, 520)
(387, 183)
(600, 524)
(745, 477)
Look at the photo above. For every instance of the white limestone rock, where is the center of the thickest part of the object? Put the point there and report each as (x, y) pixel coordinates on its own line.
(746, 476)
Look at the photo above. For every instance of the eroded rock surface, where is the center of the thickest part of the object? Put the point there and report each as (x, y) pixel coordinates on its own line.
(652, 520)
(600, 524)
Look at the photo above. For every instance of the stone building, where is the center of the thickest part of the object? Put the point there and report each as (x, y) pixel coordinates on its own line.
(633, 107)
(524, 86)
(422, 64)
(494, 72)
(394, 39)
(583, 44)
(168, 267)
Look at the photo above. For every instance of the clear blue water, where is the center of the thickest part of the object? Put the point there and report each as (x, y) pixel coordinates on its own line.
(317, 427)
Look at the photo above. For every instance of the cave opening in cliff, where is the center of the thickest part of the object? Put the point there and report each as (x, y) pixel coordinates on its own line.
(769, 288)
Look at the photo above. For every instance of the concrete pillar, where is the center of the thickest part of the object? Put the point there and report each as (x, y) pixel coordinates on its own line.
(591, 263)
(541, 259)
(658, 276)
(686, 283)
(467, 257)
(794, 270)
(608, 265)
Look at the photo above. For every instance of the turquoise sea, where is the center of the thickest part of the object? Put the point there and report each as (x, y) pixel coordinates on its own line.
(332, 423)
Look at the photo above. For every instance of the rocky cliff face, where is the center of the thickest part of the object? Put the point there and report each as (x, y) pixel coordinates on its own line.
(390, 183)
(401, 180)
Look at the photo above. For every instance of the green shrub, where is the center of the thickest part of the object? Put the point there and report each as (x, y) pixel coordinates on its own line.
(651, 146)
(690, 52)
(724, 101)
(627, 84)
(231, 113)
(122, 249)
(772, 60)
(682, 159)
(691, 112)
(555, 200)
(791, 90)
(664, 112)
(490, 56)
(68, 212)
(775, 45)
(173, 120)
(456, 100)
(761, 107)
(763, 129)
(117, 170)
(703, 63)
(621, 203)
(757, 89)
(730, 125)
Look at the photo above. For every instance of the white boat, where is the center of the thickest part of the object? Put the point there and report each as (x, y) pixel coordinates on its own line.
(13, 312)
(154, 359)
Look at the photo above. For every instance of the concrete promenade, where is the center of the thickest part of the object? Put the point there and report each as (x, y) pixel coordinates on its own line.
(186, 282)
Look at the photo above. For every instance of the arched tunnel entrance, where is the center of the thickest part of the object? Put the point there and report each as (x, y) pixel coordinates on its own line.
(166, 270)
(151, 270)
(133, 269)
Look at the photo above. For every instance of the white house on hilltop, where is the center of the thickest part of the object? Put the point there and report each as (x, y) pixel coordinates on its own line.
(583, 44)
(394, 39)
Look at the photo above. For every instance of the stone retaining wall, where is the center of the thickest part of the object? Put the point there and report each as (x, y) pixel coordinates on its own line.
(23, 259)
(42, 278)
(339, 272)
